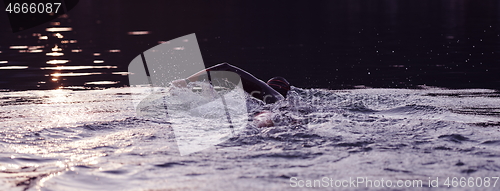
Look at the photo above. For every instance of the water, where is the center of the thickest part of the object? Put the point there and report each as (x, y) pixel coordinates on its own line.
(330, 44)
(52, 138)
(93, 140)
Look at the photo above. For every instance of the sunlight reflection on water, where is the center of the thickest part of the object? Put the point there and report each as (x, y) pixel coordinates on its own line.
(59, 29)
(59, 44)
(12, 67)
(75, 67)
(74, 74)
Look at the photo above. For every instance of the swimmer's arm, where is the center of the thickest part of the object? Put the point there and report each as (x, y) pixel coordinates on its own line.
(193, 78)
(201, 75)
(180, 83)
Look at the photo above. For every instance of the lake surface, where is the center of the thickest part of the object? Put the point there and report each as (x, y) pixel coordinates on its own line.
(93, 140)
(406, 91)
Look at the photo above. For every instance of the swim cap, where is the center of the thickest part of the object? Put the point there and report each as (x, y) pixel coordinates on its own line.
(279, 84)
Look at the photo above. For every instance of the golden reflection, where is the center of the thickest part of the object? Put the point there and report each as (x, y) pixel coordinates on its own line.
(57, 61)
(138, 32)
(12, 67)
(35, 47)
(56, 48)
(58, 35)
(76, 67)
(58, 29)
(74, 74)
(18, 47)
(54, 54)
(35, 51)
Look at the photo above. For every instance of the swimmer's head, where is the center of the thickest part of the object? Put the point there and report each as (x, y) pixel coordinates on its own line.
(280, 85)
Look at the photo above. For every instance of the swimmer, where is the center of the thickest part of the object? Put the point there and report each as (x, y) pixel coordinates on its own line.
(274, 90)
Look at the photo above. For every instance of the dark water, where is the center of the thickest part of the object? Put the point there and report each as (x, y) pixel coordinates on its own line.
(327, 44)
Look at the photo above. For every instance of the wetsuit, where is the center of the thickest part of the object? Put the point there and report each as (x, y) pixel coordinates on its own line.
(252, 85)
